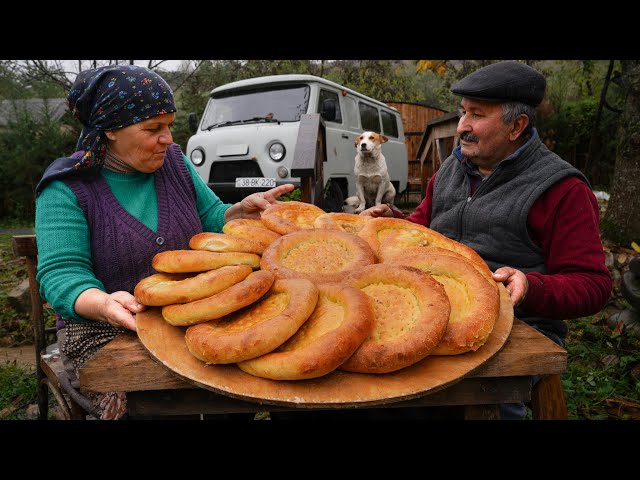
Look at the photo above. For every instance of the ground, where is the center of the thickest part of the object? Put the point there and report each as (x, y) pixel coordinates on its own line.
(23, 356)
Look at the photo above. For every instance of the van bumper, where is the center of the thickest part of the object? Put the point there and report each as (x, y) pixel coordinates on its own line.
(228, 193)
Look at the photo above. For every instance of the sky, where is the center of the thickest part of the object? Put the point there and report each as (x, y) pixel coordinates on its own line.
(170, 65)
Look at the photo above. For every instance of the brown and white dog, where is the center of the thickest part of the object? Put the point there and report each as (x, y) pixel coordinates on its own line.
(373, 185)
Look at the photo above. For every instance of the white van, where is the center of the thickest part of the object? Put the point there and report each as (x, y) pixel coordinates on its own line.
(246, 139)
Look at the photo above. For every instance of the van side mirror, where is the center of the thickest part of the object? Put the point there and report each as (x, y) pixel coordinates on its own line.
(328, 110)
(193, 122)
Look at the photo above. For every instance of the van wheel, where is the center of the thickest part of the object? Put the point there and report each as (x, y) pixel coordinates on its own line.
(333, 197)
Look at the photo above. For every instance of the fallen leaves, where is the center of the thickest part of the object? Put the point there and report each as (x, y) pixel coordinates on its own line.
(16, 404)
(623, 408)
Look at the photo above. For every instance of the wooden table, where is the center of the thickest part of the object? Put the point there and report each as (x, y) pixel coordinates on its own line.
(152, 389)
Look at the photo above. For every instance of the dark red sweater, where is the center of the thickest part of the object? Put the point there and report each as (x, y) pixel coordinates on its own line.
(564, 222)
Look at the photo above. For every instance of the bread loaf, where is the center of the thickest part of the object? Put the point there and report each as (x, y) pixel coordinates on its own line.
(411, 315)
(319, 255)
(342, 319)
(257, 328)
(229, 300)
(166, 288)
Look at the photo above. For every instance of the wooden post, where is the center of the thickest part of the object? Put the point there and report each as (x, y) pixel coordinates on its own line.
(309, 158)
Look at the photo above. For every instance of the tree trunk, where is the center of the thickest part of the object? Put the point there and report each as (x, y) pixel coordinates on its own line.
(621, 222)
(593, 154)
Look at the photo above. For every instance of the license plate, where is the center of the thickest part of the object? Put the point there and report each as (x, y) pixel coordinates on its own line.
(255, 182)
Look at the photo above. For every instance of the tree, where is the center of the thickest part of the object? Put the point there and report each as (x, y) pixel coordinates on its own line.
(27, 145)
(594, 153)
(621, 222)
(54, 78)
(384, 80)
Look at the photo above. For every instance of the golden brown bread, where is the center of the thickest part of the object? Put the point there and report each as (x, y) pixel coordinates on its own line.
(256, 329)
(376, 230)
(475, 305)
(229, 300)
(411, 315)
(221, 242)
(287, 217)
(163, 289)
(391, 252)
(252, 229)
(347, 222)
(184, 261)
(319, 255)
(342, 319)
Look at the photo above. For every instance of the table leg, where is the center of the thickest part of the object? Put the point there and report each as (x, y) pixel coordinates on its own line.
(547, 399)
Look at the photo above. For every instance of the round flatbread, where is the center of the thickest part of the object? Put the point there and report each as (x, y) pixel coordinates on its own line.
(376, 230)
(185, 261)
(347, 222)
(252, 229)
(475, 305)
(221, 242)
(228, 300)
(319, 255)
(163, 289)
(287, 217)
(342, 319)
(411, 315)
(256, 329)
(392, 251)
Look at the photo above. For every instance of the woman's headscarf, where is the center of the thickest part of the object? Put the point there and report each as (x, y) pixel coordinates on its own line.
(108, 98)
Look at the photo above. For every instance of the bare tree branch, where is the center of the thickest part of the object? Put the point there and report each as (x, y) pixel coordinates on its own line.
(184, 80)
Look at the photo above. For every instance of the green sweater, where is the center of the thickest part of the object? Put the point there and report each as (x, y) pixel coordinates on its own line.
(65, 268)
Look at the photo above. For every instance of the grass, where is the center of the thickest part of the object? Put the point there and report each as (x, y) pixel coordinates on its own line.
(16, 223)
(17, 391)
(602, 380)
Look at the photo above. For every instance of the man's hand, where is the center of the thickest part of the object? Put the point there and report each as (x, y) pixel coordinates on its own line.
(382, 210)
(515, 281)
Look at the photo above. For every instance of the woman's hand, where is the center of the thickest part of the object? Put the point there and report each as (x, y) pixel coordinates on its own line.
(515, 281)
(254, 204)
(382, 210)
(117, 308)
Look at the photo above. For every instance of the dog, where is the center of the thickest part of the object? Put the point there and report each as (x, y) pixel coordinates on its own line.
(373, 186)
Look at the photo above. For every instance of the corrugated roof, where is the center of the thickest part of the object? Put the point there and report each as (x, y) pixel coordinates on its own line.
(37, 107)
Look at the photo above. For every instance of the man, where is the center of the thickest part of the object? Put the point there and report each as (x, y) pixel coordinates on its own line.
(530, 215)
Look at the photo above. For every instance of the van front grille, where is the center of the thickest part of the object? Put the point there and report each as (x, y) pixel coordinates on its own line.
(229, 171)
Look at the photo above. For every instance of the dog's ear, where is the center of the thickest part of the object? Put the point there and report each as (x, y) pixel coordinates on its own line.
(383, 139)
(357, 142)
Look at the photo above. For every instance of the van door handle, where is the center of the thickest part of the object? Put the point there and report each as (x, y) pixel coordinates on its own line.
(344, 135)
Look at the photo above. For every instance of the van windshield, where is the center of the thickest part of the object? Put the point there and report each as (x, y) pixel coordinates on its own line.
(276, 104)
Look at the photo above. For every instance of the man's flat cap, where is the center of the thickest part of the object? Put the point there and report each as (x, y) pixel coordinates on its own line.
(503, 81)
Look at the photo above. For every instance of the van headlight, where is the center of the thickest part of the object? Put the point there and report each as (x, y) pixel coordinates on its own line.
(277, 152)
(197, 156)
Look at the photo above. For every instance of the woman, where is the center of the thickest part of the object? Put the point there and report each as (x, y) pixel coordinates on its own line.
(127, 193)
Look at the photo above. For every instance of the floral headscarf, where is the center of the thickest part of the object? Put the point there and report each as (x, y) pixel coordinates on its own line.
(109, 98)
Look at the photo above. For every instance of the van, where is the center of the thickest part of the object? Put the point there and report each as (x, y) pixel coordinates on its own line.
(246, 139)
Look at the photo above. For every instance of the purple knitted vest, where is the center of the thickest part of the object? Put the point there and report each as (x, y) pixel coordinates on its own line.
(121, 246)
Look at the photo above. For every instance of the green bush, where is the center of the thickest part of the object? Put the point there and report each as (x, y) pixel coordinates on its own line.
(27, 147)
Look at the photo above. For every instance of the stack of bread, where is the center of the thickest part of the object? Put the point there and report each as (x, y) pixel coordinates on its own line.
(300, 293)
